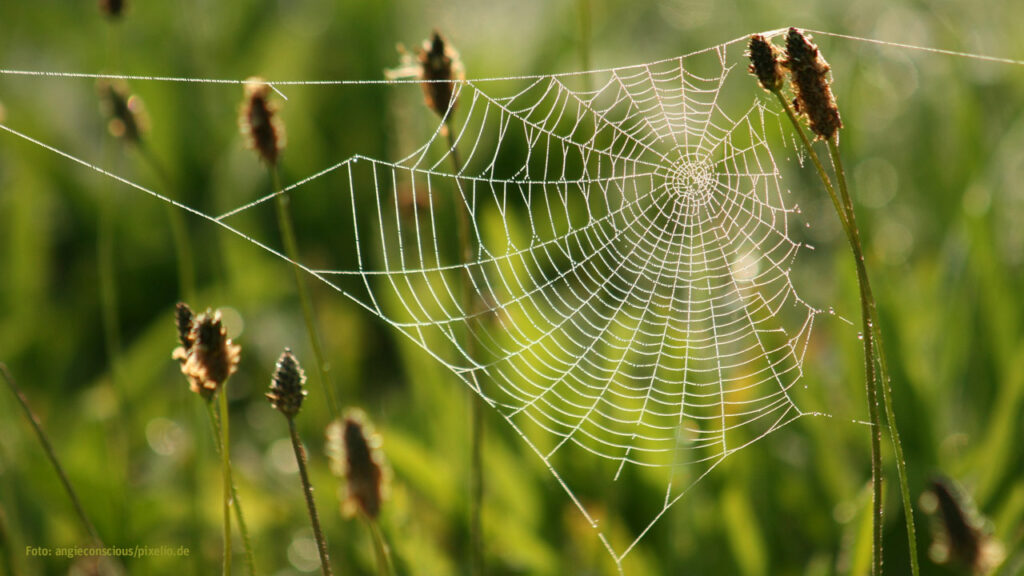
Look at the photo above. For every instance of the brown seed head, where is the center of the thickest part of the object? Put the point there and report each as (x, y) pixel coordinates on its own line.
(286, 393)
(355, 455)
(440, 69)
(184, 318)
(958, 530)
(125, 113)
(258, 122)
(810, 82)
(765, 63)
(112, 8)
(212, 357)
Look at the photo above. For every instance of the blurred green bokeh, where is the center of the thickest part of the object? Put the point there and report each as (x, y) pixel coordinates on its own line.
(935, 149)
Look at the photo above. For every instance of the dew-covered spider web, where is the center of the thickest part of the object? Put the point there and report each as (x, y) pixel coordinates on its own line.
(632, 245)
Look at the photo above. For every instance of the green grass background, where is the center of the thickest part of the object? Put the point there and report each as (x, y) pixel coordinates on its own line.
(935, 148)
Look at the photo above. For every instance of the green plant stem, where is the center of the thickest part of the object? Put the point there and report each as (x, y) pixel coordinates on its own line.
(307, 491)
(51, 455)
(817, 164)
(885, 379)
(243, 528)
(225, 460)
(179, 230)
(476, 485)
(871, 377)
(380, 547)
(291, 250)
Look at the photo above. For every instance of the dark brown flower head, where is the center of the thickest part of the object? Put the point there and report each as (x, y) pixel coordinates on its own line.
(959, 535)
(126, 116)
(286, 393)
(765, 63)
(258, 121)
(810, 82)
(211, 359)
(440, 68)
(184, 317)
(355, 455)
(112, 8)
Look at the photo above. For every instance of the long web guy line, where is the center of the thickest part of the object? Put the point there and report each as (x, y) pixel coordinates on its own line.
(395, 81)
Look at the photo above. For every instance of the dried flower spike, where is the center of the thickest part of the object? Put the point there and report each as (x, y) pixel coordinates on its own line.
(765, 63)
(258, 122)
(212, 358)
(286, 393)
(959, 534)
(112, 8)
(810, 81)
(126, 116)
(440, 68)
(184, 317)
(355, 455)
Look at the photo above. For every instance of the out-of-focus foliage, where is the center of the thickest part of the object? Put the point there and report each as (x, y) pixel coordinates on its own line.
(935, 148)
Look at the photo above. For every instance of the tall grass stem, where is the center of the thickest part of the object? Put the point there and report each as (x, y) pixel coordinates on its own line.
(179, 229)
(871, 377)
(476, 484)
(225, 460)
(380, 547)
(868, 297)
(51, 455)
(307, 491)
(291, 249)
(243, 527)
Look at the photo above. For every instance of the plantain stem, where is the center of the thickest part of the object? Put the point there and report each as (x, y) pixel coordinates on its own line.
(291, 250)
(225, 461)
(243, 528)
(307, 491)
(51, 455)
(868, 300)
(846, 218)
(476, 484)
(380, 547)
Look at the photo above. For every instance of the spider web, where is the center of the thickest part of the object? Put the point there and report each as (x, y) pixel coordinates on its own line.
(630, 270)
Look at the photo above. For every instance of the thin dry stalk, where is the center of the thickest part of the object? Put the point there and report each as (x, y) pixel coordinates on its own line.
(816, 102)
(51, 455)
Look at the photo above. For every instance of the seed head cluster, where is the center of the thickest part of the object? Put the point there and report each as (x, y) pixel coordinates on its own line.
(808, 76)
(207, 356)
(765, 63)
(258, 122)
(959, 532)
(112, 8)
(355, 455)
(184, 318)
(125, 113)
(286, 393)
(440, 67)
(810, 83)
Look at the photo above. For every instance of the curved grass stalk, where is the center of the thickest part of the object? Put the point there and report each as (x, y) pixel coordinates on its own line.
(380, 547)
(243, 528)
(871, 377)
(179, 230)
(875, 364)
(225, 460)
(44, 441)
(885, 376)
(307, 491)
(476, 488)
(291, 249)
